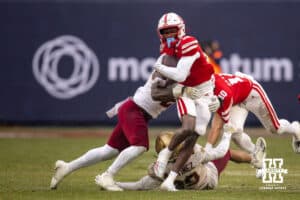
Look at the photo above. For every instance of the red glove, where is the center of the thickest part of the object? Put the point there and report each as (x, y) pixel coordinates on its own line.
(299, 98)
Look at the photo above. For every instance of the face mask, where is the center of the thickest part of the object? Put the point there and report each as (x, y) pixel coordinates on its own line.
(169, 41)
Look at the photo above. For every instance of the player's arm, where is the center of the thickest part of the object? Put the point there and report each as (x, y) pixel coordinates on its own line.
(182, 70)
(215, 130)
(219, 151)
(170, 92)
(239, 156)
(145, 183)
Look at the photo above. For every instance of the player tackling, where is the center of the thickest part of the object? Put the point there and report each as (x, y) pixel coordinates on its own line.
(202, 170)
(128, 140)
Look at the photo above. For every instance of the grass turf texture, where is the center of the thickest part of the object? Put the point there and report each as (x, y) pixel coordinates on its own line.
(26, 167)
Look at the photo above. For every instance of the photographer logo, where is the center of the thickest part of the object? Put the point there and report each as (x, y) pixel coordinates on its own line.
(273, 172)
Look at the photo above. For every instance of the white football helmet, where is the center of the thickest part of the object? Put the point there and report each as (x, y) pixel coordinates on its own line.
(170, 20)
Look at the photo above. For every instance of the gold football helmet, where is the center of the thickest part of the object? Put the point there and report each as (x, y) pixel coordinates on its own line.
(163, 140)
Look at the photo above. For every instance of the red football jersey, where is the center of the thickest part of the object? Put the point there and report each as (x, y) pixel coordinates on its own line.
(231, 89)
(201, 69)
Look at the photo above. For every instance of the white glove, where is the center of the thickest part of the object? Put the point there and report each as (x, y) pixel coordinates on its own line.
(214, 104)
(177, 91)
(192, 92)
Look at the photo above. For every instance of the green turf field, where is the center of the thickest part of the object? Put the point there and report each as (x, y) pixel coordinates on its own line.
(26, 167)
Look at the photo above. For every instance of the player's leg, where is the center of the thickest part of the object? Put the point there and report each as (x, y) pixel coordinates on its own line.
(202, 119)
(145, 183)
(182, 158)
(259, 103)
(239, 156)
(91, 157)
(135, 128)
(186, 110)
(238, 117)
(256, 159)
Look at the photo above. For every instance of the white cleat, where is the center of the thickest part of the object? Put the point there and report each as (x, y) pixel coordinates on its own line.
(296, 137)
(159, 168)
(61, 170)
(168, 187)
(260, 173)
(107, 182)
(259, 153)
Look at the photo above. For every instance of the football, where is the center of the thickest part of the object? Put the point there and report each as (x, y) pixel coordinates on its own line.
(170, 61)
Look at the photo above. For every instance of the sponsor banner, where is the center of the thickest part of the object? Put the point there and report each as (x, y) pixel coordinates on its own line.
(69, 62)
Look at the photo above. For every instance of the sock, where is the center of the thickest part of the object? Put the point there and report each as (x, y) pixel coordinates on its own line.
(244, 142)
(93, 156)
(171, 178)
(164, 155)
(125, 157)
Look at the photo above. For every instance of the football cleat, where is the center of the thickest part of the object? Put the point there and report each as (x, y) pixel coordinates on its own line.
(259, 153)
(61, 170)
(167, 186)
(107, 182)
(296, 137)
(260, 173)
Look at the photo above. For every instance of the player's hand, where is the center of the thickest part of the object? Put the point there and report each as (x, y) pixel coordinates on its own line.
(158, 82)
(177, 91)
(163, 94)
(192, 92)
(214, 104)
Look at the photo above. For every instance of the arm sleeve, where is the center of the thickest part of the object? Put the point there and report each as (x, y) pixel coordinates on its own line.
(219, 151)
(145, 183)
(182, 70)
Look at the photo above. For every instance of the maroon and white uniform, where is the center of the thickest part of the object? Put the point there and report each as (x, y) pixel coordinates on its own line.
(133, 116)
(240, 94)
(200, 172)
(193, 69)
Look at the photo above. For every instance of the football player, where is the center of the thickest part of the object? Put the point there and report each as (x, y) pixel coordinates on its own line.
(194, 70)
(246, 95)
(128, 140)
(202, 170)
(240, 94)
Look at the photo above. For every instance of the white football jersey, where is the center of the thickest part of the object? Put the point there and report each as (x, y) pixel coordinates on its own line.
(195, 174)
(143, 99)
